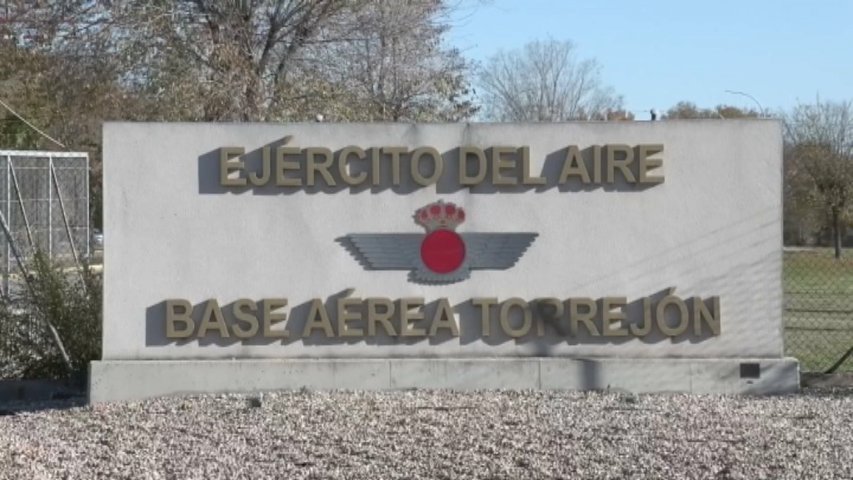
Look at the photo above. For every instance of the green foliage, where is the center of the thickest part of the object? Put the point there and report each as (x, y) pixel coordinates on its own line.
(16, 135)
(66, 298)
(689, 110)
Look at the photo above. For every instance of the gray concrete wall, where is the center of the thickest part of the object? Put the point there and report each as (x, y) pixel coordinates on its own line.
(713, 228)
(131, 380)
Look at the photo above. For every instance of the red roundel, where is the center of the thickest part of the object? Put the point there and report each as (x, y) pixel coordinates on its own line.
(443, 251)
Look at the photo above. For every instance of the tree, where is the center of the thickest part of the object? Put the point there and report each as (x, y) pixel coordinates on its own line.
(68, 66)
(260, 60)
(396, 67)
(689, 110)
(545, 81)
(819, 151)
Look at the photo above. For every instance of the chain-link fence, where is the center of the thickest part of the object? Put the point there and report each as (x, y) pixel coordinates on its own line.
(819, 308)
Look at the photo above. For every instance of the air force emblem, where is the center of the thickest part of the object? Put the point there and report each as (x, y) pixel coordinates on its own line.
(441, 255)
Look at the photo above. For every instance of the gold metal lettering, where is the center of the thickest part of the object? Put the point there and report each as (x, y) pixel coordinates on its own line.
(646, 163)
(375, 167)
(318, 318)
(282, 165)
(266, 170)
(343, 158)
(344, 316)
(374, 316)
(623, 165)
(444, 319)
(485, 305)
(702, 314)
(573, 165)
(553, 318)
(395, 153)
(499, 163)
(407, 329)
(596, 163)
(313, 166)
(609, 316)
(639, 331)
(482, 168)
(270, 317)
(244, 311)
(526, 314)
(174, 317)
(438, 166)
(229, 161)
(526, 179)
(576, 316)
(683, 318)
(212, 319)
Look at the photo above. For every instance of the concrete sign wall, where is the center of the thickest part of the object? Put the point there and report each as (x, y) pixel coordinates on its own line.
(383, 241)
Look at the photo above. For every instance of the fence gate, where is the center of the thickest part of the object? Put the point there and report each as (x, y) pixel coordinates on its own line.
(44, 198)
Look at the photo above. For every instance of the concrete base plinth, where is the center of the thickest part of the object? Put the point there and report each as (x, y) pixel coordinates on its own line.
(116, 380)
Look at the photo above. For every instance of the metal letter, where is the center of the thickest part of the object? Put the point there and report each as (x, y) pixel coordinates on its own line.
(314, 166)
(438, 166)
(526, 179)
(212, 319)
(646, 163)
(384, 318)
(498, 164)
(407, 329)
(229, 160)
(683, 319)
(702, 314)
(504, 317)
(281, 166)
(345, 330)
(622, 165)
(395, 153)
(444, 319)
(248, 317)
(609, 316)
(318, 318)
(573, 165)
(343, 158)
(485, 305)
(576, 316)
(266, 170)
(482, 168)
(648, 321)
(270, 305)
(184, 317)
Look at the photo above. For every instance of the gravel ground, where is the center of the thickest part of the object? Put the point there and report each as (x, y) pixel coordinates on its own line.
(431, 434)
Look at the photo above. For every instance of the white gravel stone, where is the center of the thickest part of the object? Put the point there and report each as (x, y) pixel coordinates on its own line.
(435, 434)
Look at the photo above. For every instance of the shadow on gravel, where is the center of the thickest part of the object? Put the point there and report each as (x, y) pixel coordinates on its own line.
(827, 383)
(17, 396)
(13, 408)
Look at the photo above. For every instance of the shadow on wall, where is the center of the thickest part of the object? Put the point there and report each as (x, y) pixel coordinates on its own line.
(328, 179)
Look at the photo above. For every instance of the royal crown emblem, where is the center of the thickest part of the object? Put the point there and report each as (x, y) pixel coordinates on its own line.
(441, 255)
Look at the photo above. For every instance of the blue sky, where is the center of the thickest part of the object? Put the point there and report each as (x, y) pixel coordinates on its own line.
(657, 52)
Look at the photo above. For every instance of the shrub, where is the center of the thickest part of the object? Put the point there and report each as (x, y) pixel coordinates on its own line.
(66, 299)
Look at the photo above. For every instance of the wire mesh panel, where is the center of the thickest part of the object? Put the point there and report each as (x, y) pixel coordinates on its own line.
(44, 197)
(819, 308)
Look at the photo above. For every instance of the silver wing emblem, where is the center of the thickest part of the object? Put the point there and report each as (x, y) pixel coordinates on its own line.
(402, 251)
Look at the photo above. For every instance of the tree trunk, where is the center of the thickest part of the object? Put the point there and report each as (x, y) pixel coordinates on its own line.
(836, 230)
